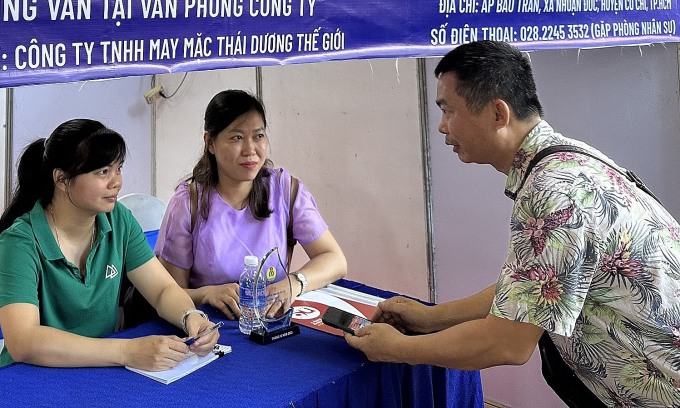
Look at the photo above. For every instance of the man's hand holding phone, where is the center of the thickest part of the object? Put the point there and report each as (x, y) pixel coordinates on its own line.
(406, 315)
(343, 320)
(380, 342)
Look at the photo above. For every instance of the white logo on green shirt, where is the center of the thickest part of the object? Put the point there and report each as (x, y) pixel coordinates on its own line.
(111, 272)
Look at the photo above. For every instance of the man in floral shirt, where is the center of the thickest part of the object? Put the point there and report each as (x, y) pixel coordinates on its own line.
(593, 260)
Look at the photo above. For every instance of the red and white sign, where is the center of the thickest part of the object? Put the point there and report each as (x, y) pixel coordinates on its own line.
(310, 307)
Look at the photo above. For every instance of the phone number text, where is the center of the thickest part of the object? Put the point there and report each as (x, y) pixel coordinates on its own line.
(552, 32)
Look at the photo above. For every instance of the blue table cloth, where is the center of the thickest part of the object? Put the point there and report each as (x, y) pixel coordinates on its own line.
(312, 369)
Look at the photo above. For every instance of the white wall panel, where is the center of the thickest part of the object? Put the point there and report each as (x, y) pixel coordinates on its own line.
(350, 130)
(117, 103)
(624, 101)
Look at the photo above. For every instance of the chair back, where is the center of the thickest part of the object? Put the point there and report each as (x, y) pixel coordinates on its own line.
(148, 210)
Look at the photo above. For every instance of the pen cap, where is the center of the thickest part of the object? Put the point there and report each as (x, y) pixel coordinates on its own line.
(251, 260)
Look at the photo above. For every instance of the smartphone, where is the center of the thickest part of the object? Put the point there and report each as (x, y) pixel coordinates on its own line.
(344, 321)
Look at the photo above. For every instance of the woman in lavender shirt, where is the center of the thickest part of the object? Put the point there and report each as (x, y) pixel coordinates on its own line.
(243, 208)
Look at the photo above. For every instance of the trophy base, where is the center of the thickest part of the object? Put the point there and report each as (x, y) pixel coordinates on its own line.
(264, 337)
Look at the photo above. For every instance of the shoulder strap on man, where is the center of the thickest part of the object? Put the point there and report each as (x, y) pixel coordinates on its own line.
(193, 204)
(291, 241)
(575, 149)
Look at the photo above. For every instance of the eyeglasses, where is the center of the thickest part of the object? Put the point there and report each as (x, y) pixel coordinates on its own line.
(276, 312)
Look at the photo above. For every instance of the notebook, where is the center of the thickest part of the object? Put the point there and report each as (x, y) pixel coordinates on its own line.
(187, 366)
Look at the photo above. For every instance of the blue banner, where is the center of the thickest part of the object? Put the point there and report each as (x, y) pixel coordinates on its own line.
(47, 41)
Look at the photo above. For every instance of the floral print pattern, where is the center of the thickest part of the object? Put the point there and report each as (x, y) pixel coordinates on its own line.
(595, 261)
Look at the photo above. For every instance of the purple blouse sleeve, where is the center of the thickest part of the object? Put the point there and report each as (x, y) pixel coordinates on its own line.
(174, 242)
(308, 224)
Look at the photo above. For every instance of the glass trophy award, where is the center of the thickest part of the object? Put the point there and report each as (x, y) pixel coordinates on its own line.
(273, 309)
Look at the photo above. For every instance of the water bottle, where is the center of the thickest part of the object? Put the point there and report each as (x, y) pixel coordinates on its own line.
(248, 300)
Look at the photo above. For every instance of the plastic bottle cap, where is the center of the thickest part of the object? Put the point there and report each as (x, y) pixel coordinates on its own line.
(251, 260)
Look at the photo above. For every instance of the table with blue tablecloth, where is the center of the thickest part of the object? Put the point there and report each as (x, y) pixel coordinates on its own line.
(312, 369)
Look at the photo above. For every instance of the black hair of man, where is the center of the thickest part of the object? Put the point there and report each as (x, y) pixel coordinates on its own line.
(489, 70)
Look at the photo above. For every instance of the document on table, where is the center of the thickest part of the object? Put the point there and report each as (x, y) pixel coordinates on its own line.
(186, 366)
(310, 307)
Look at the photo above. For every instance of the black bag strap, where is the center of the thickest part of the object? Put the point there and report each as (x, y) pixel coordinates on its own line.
(575, 149)
(562, 379)
(193, 204)
(290, 239)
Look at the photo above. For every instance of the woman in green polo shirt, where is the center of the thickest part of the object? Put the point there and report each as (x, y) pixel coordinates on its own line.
(65, 243)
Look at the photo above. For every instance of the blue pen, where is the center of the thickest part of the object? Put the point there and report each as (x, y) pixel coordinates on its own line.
(191, 340)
